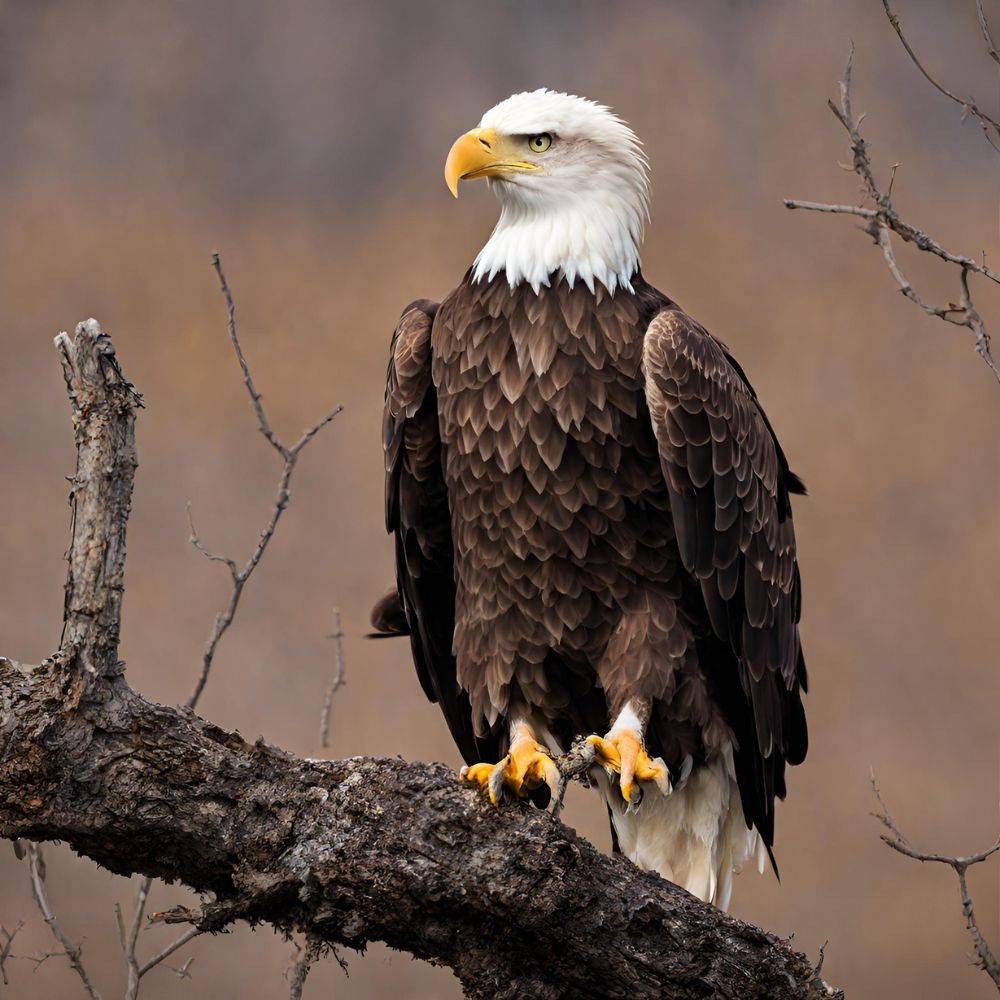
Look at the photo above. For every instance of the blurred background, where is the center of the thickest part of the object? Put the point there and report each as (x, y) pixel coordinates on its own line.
(306, 142)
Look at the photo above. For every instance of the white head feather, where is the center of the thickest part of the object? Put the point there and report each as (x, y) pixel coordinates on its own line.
(581, 215)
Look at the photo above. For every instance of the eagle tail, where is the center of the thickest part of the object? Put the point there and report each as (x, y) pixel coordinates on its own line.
(696, 836)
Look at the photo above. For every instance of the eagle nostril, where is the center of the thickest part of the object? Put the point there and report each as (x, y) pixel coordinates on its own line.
(485, 144)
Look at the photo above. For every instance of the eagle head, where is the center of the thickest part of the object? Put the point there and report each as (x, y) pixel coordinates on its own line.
(573, 186)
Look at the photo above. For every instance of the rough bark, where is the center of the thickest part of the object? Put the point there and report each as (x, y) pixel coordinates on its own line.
(345, 851)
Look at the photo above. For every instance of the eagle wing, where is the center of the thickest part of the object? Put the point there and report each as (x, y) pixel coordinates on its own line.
(729, 486)
(417, 516)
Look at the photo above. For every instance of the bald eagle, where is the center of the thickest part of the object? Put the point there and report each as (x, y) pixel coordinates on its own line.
(591, 512)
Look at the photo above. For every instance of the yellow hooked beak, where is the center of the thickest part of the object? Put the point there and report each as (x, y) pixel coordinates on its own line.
(482, 153)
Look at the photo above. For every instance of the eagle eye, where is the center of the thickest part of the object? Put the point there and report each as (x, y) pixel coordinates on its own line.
(539, 143)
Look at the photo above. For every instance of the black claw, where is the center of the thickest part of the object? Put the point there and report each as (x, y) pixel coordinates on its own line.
(540, 796)
(636, 798)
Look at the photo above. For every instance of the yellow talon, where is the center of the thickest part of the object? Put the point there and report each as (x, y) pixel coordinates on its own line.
(478, 774)
(624, 753)
(527, 766)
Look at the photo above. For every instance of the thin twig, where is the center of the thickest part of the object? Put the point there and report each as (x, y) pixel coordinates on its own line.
(183, 972)
(130, 939)
(300, 970)
(817, 206)
(8, 941)
(195, 540)
(892, 180)
(883, 219)
(255, 397)
(36, 867)
(289, 455)
(899, 842)
(984, 26)
(192, 932)
(576, 763)
(338, 680)
(990, 127)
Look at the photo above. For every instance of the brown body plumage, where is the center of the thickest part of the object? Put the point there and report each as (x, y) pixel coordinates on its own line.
(590, 509)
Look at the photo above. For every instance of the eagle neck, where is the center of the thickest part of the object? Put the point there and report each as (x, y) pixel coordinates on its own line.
(593, 239)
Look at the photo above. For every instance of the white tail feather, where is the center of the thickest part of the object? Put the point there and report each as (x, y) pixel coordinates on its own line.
(696, 836)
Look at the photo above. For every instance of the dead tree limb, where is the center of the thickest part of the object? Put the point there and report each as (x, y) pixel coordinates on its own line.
(900, 843)
(881, 219)
(345, 852)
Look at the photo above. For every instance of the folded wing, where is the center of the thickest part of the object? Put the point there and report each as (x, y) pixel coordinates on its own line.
(417, 516)
(729, 486)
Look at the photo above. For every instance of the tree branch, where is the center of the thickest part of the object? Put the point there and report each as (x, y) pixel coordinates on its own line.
(345, 852)
(104, 405)
(337, 681)
(5, 947)
(300, 970)
(984, 26)
(900, 843)
(289, 455)
(72, 951)
(990, 127)
(131, 939)
(179, 942)
(883, 219)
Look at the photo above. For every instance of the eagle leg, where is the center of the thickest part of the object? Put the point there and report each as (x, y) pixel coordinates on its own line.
(527, 767)
(622, 752)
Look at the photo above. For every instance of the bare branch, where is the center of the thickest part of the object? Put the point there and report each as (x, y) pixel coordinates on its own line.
(5, 947)
(195, 540)
(289, 456)
(99, 499)
(141, 897)
(338, 680)
(120, 921)
(991, 47)
(576, 763)
(36, 867)
(255, 397)
(188, 935)
(899, 842)
(307, 959)
(182, 972)
(816, 206)
(990, 127)
(883, 219)
(950, 314)
(130, 939)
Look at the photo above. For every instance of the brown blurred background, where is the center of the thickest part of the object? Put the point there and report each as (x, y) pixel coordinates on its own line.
(306, 142)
